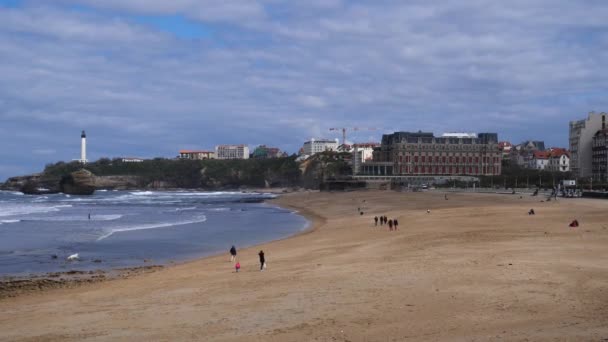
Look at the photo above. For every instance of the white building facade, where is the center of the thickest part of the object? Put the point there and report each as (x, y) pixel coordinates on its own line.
(362, 153)
(319, 145)
(581, 143)
(539, 160)
(559, 161)
(232, 152)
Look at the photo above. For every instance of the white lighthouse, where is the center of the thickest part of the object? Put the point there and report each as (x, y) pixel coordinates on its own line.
(83, 148)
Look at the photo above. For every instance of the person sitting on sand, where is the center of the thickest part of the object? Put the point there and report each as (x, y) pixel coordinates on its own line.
(237, 266)
(262, 260)
(232, 253)
(574, 223)
(531, 212)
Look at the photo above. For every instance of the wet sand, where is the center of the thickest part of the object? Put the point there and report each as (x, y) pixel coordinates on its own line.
(476, 268)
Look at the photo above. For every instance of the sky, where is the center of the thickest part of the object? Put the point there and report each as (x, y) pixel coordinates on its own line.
(146, 78)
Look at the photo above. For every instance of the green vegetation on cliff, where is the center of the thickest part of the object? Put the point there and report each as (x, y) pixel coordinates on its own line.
(192, 173)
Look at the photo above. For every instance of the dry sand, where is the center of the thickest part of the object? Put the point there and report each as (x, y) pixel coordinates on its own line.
(476, 268)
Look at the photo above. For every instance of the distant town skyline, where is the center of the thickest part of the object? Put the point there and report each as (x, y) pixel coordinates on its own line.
(148, 78)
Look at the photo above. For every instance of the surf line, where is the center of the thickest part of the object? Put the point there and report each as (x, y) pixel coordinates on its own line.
(151, 226)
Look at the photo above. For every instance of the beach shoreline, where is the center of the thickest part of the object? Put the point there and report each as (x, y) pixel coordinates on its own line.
(477, 263)
(18, 285)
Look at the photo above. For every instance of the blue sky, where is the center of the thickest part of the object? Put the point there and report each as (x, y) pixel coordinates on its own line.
(149, 77)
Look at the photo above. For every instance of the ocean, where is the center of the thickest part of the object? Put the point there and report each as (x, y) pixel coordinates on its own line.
(117, 229)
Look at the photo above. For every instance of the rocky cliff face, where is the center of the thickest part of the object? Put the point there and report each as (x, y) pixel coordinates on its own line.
(32, 184)
(81, 182)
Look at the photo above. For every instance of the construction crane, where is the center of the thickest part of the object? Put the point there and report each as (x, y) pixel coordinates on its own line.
(344, 129)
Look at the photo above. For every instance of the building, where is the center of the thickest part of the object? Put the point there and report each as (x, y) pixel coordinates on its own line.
(523, 154)
(345, 148)
(232, 152)
(559, 160)
(599, 165)
(196, 155)
(505, 147)
(362, 153)
(83, 148)
(539, 160)
(319, 145)
(581, 143)
(416, 154)
(265, 152)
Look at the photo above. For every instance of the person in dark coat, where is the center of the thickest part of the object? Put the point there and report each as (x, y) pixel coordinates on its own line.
(385, 219)
(381, 220)
(375, 220)
(262, 260)
(390, 224)
(395, 223)
(232, 253)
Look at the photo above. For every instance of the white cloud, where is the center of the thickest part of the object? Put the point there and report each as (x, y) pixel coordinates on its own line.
(287, 71)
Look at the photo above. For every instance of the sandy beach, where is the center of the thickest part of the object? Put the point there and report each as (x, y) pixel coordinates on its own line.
(476, 268)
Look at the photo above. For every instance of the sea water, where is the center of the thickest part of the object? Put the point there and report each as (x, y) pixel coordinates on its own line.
(115, 229)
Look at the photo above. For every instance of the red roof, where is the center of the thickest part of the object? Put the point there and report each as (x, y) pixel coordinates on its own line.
(504, 144)
(557, 152)
(541, 155)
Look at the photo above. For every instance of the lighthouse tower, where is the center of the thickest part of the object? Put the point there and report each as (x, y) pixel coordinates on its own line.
(83, 148)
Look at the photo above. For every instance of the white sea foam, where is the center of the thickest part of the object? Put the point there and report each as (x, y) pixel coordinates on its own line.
(9, 221)
(185, 209)
(218, 209)
(142, 193)
(109, 233)
(108, 217)
(14, 210)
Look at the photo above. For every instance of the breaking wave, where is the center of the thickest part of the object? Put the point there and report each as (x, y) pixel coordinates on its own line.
(109, 233)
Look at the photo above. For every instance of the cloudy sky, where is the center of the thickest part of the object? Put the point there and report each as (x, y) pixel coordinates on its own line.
(149, 77)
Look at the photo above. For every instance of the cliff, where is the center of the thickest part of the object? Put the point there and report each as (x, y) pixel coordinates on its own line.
(81, 182)
(186, 174)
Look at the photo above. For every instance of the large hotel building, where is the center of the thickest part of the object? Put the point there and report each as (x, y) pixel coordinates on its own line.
(423, 154)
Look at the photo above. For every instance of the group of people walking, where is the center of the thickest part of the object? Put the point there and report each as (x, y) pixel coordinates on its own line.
(393, 224)
(237, 266)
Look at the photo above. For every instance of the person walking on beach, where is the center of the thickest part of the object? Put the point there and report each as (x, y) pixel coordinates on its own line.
(390, 225)
(395, 223)
(232, 253)
(385, 219)
(375, 220)
(262, 260)
(381, 220)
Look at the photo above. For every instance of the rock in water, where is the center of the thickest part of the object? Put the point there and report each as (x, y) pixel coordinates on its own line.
(80, 182)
